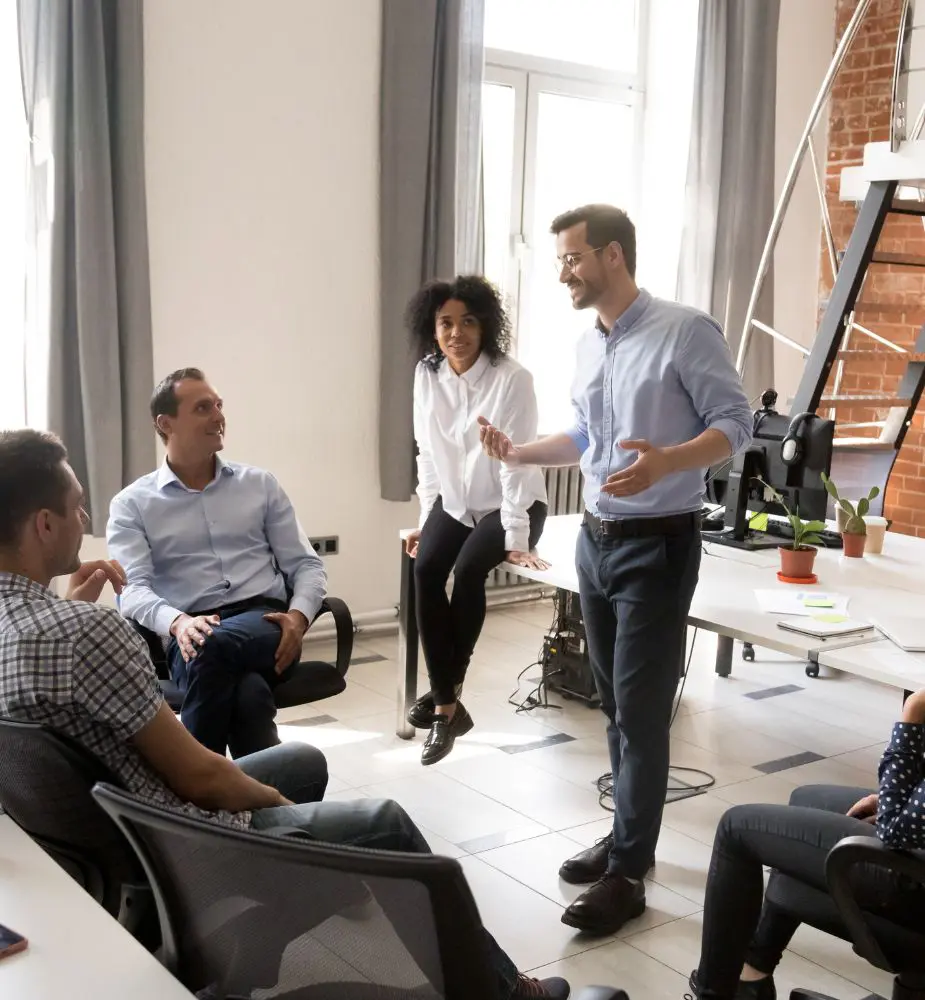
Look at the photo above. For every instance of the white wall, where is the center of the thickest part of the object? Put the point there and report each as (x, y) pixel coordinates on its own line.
(805, 43)
(262, 134)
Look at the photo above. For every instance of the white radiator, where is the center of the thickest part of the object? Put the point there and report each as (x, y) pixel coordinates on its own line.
(563, 489)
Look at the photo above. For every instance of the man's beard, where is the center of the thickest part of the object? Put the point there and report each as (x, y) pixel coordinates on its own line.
(586, 297)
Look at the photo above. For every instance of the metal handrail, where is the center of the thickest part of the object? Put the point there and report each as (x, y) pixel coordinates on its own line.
(767, 253)
(898, 117)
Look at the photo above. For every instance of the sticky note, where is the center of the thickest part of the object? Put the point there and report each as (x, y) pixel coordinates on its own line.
(759, 522)
(831, 619)
(818, 602)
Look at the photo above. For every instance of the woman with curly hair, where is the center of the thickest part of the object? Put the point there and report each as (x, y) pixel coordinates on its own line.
(475, 513)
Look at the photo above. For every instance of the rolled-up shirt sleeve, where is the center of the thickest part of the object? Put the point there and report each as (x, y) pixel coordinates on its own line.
(297, 560)
(128, 545)
(710, 379)
(901, 806)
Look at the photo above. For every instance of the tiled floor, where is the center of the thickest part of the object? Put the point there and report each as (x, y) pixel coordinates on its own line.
(512, 817)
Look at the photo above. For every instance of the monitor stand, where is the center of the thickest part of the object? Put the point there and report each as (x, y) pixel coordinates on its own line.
(736, 532)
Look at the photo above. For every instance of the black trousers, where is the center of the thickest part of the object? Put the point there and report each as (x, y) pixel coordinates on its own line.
(450, 627)
(794, 840)
(635, 596)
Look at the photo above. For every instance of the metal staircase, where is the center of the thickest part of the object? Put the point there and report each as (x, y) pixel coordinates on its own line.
(870, 425)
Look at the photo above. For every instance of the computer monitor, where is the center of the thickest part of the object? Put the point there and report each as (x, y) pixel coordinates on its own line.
(735, 485)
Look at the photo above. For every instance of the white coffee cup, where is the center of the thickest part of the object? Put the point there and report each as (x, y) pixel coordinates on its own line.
(876, 532)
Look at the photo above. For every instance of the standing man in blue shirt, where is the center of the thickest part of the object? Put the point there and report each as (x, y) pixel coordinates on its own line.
(657, 401)
(216, 561)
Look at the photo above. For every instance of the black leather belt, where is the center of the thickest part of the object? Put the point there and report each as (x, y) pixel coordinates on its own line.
(644, 527)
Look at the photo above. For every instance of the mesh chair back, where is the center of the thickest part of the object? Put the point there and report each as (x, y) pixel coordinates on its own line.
(252, 915)
(45, 786)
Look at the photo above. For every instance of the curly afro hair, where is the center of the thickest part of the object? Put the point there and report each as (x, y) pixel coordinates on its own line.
(482, 300)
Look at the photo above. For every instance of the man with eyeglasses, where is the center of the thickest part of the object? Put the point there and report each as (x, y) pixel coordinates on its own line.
(657, 401)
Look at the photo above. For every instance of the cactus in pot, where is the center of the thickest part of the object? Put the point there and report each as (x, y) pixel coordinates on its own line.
(854, 532)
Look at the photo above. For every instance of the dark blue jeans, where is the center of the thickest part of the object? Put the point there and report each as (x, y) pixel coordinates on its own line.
(228, 686)
(299, 773)
(635, 596)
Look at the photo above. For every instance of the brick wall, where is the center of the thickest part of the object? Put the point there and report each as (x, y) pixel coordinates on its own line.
(893, 300)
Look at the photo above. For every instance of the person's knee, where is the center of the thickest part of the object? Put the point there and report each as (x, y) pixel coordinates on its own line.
(733, 821)
(389, 815)
(472, 573)
(806, 796)
(302, 759)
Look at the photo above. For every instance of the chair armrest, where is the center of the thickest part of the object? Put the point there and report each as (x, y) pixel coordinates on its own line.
(343, 623)
(866, 851)
(600, 993)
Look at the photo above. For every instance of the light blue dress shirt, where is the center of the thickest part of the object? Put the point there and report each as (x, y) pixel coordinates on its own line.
(664, 374)
(186, 550)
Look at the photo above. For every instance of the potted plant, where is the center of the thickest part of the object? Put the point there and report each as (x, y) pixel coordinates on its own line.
(797, 558)
(854, 530)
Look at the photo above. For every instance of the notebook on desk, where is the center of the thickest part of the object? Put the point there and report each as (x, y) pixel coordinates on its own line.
(826, 627)
(906, 632)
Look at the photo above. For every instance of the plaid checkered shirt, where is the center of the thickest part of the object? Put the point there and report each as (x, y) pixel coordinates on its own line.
(83, 671)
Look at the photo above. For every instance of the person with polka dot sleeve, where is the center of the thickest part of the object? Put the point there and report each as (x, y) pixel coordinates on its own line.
(745, 933)
(901, 801)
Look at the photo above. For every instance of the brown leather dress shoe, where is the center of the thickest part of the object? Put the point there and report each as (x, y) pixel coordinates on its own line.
(607, 905)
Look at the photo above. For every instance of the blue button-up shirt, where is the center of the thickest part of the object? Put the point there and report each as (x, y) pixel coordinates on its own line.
(189, 550)
(663, 374)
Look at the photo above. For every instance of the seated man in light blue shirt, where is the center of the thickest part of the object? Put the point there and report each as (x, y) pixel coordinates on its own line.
(657, 401)
(216, 560)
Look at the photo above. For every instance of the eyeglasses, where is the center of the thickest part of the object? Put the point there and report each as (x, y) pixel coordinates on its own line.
(572, 260)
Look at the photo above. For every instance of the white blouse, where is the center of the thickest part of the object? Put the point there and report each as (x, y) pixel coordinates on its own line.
(451, 463)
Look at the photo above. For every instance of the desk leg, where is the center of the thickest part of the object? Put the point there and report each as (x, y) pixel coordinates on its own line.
(407, 647)
(724, 655)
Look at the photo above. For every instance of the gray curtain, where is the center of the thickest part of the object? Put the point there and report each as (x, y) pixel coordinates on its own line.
(83, 90)
(730, 180)
(430, 166)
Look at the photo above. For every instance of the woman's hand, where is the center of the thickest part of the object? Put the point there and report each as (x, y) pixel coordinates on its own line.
(411, 543)
(529, 560)
(866, 808)
(914, 708)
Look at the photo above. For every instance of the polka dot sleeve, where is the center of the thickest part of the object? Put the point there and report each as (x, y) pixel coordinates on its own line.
(901, 812)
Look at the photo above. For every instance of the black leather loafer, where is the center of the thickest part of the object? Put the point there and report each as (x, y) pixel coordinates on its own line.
(421, 713)
(443, 734)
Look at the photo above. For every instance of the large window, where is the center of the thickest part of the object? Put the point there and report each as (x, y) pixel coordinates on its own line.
(13, 151)
(566, 120)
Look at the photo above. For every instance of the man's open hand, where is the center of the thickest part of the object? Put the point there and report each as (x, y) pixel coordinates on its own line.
(496, 444)
(651, 465)
(88, 582)
(293, 625)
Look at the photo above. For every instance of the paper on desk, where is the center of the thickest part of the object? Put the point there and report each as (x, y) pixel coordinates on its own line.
(801, 602)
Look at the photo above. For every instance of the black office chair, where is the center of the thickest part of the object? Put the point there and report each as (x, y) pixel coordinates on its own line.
(45, 785)
(242, 911)
(893, 940)
(308, 681)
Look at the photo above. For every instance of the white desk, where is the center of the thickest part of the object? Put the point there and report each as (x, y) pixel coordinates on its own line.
(882, 662)
(724, 601)
(76, 950)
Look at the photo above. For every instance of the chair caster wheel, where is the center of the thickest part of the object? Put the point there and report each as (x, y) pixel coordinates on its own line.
(812, 669)
(748, 653)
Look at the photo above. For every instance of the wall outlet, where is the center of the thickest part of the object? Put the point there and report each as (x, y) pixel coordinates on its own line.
(327, 545)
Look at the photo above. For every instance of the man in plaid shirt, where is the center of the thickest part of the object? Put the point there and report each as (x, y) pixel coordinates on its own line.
(82, 670)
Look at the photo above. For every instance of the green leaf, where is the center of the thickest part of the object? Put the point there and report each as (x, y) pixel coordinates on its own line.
(814, 526)
(830, 487)
(848, 507)
(874, 492)
(812, 539)
(863, 506)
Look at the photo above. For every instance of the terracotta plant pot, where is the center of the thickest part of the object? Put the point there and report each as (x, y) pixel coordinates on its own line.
(797, 563)
(854, 545)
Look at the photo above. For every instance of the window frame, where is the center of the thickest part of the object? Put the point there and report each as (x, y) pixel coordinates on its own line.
(528, 76)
